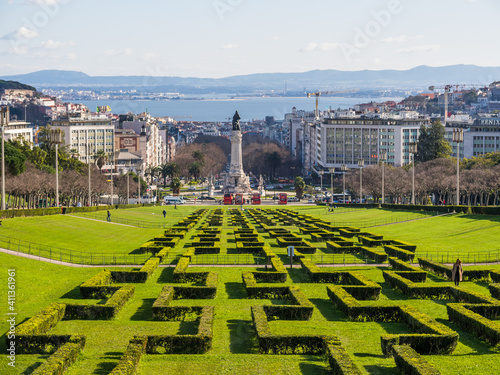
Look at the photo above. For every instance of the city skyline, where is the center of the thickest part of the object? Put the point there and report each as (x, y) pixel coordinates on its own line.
(220, 38)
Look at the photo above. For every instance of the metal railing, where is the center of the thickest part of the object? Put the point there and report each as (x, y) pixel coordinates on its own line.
(70, 256)
(134, 223)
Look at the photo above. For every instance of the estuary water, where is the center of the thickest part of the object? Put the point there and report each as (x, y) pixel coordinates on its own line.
(221, 108)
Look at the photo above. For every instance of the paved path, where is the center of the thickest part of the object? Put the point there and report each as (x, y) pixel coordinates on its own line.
(102, 221)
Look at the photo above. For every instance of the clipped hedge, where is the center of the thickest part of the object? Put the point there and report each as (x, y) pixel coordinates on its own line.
(129, 362)
(101, 312)
(410, 362)
(98, 286)
(495, 276)
(394, 251)
(495, 290)
(139, 276)
(340, 362)
(475, 323)
(63, 358)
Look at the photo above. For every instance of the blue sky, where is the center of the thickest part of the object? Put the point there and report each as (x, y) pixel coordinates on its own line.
(219, 38)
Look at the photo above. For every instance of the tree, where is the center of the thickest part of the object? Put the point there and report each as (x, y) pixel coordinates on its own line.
(14, 159)
(197, 155)
(274, 160)
(101, 158)
(175, 185)
(431, 143)
(195, 169)
(172, 169)
(299, 186)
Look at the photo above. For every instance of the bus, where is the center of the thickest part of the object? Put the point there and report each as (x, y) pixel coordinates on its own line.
(283, 198)
(228, 198)
(255, 198)
(238, 199)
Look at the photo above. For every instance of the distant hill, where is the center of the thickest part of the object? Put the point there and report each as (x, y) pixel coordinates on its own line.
(14, 85)
(418, 77)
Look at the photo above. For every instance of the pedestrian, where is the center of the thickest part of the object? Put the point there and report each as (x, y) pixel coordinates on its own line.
(109, 216)
(176, 206)
(164, 214)
(457, 272)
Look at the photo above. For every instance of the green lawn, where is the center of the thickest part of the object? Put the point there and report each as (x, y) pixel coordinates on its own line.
(234, 348)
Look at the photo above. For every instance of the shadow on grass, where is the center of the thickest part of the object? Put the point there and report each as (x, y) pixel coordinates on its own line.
(144, 311)
(31, 368)
(328, 310)
(298, 275)
(382, 370)
(242, 337)
(363, 355)
(166, 276)
(104, 368)
(470, 340)
(73, 293)
(136, 252)
(188, 328)
(313, 368)
(235, 291)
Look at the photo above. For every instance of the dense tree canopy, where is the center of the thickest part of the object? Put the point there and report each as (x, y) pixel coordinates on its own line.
(431, 143)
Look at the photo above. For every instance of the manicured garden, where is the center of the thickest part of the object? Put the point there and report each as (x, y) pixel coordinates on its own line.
(256, 320)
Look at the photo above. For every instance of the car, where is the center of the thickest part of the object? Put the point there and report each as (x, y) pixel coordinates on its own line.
(191, 188)
(310, 201)
(317, 189)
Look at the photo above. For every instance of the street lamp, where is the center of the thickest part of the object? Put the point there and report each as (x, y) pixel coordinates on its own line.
(383, 158)
(343, 168)
(111, 174)
(413, 151)
(55, 136)
(88, 162)
(458, 137)
(138, 169)
(361, 164)
(3, 122)
(321, 172)
(332, 171)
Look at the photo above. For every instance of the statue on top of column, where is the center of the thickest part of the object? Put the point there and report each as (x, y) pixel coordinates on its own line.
(236, 121)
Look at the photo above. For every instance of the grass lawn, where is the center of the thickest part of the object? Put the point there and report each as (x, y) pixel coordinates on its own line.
(234, 348)
(449, 237)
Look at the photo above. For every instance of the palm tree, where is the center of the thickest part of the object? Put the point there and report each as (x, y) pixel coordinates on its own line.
(173, 169)
(195, 169)
(175, 185)
(197, 155)
(74, 153)
(299, 186)
(101, 158)
(163, 170)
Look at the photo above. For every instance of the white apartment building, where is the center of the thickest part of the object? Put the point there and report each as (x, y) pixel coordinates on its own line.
(345, 140)
(86, 135)
(19, 130)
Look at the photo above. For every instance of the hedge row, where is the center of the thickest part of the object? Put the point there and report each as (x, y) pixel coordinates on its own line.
(63, 358)
(31, 335)
(98, 286)
(199, 343)
(475, 323)
(401, 281)
(8, 214)
(340, 362)
(410, 362)
(400, 265)
(286, 344)
(397, 252)
(495, 276)
(140, 276)
(129, 362)
(469, 274)
(495, 290)
(101, 312)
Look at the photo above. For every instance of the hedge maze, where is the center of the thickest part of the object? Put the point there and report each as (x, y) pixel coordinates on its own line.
(274, 293)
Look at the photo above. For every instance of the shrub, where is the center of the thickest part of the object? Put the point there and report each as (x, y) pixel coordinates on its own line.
(340, 362)
(63, 358)
(399, 253)
(495, 290)
(98, 286)
(410, 362)
(129, 362)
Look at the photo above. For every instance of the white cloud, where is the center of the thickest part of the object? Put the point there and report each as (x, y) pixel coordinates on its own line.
(116, 52)
(45, 2)
(18, 50)
(72, 56)
(149, 57)
(229, 46)
(21, 33)
(54, 44)
(425, 48)
(314, 46)
(401, 38)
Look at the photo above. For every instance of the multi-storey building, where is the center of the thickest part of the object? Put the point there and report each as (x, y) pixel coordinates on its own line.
(345, 140)
(86, 134)
(482, 137)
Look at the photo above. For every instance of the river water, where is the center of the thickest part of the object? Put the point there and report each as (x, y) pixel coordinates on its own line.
(220, 108)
